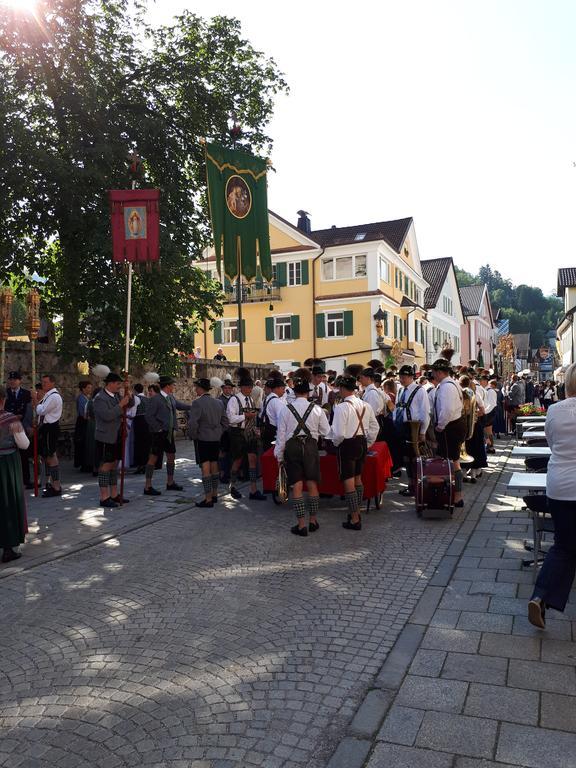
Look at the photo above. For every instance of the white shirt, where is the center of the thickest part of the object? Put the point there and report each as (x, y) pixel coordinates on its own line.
(490, 399)
(449, 402)
(480, 394)
(273, 406)
(50, 407)
(319, 392)
(377, 398)
(345, 423)
(560, 428)
(419, 407)
(234, 410)
(317, 423)
(289, 394)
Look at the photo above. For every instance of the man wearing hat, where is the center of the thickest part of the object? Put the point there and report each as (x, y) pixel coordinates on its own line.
(108, 409)
(412, 404)
(272, 407)
(224, 455)
(319, 392)
(241, 413)
(449, 422)
(162, 421)
(354, 430)
(49, 411)
(206, 424)
(19, 402)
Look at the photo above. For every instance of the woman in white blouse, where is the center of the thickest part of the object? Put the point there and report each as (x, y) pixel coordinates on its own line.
(557, 573)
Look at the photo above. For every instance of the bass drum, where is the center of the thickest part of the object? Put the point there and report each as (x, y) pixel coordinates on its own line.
(435, 488)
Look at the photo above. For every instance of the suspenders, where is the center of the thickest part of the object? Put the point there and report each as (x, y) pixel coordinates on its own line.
(301, 420)
(360, 418)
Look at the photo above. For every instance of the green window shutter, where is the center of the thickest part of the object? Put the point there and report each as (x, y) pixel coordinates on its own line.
(218, 333)
(295, 364)
(386, 328)
(295, 322)
(243, 330)
(348, 323)
(269, 329)
(282, 274)
(320, 325)
(305, 276)
(395, 277)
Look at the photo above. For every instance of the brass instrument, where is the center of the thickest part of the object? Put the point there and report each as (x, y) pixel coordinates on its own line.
(470, 412)
(414, 442)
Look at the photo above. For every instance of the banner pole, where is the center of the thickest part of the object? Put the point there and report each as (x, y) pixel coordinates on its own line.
(2, 359)
(239, 299)
(34, 419)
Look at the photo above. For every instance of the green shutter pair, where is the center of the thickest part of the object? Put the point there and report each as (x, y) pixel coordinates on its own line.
(218, 332)
(282, 273)
(295, 328)
(321, 324)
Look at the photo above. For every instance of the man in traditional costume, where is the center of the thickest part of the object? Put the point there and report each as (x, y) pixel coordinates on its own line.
(108, 414)
(206, 424)
(412, 404)
(49, 411)
(19, 402)
(449, 421)
(272, 406)
(241, 413)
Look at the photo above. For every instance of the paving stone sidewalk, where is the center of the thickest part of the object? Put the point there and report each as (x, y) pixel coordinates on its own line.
(175, 637)
(470, 683)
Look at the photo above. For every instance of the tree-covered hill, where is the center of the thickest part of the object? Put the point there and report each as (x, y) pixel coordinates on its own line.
(527, 308)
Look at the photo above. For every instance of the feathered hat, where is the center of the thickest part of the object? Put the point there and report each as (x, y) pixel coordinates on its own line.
(301, 379)
(447, 354)
(354, 369)
(100, 371)
(244, 377)
(376, 365)
(151, 377)
(215, 382)
(312, 361)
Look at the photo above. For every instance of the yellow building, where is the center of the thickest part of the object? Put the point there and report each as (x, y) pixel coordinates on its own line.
(328, 287)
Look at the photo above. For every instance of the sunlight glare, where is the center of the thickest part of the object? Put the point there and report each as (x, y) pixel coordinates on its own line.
(24, 6)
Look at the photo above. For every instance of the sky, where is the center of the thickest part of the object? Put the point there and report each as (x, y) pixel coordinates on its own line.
(460, 114)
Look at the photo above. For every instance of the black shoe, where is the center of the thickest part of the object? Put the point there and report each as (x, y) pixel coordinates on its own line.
(10, 554)
(152, 492)
(459, 504)
(350, 526)
(214, 499)
(204, 504)
(119, 500)
(406, 492)
(312, 527)
(258, 496)
(109, 502)
(537, 612)
(299, 531)
(235, 493)
(174, 487)
(49, 492)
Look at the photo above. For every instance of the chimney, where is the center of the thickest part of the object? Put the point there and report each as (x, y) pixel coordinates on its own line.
(304, 222)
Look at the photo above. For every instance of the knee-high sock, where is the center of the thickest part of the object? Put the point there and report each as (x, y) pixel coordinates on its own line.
(113, 477)
(252, 475)
(458, 480)
(313, 506)
(103, 480)
(352, 502)
(207, 485)
(170, 466)
(215, 484)
(149, 471)
(299, 508)
(54, 473)
(360, 494)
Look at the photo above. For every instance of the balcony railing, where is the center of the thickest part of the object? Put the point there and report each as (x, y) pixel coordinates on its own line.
(253, 292)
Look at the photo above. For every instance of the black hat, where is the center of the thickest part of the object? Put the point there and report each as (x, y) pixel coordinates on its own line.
(165, 381)
(112, 377)
(368, 372)
(347, 382)
(275, 381)
(317, 370)
(14, 375)
(203, 384)
(406, 370)
(377, 377)
(441, 365)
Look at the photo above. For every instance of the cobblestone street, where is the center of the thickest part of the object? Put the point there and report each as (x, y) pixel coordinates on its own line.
(190, 638)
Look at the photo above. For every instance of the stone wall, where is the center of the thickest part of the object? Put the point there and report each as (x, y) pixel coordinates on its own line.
(67, 375)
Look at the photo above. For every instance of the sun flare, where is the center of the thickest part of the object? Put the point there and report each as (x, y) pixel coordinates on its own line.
(26, 6)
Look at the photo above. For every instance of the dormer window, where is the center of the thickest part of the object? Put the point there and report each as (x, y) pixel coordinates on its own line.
(359, 236)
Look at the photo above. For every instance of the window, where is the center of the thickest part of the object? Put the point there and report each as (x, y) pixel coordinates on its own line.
(295, 273)
(274, 273)
(359, 236)
(334, 324)
(229, 331)
(384, 270)
(343, 267)
(283, 328)
(447, 305)
(456, 344)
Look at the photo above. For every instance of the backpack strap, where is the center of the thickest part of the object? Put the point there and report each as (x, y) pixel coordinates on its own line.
(301, 419)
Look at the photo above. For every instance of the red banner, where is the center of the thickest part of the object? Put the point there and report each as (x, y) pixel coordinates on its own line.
(135, 225)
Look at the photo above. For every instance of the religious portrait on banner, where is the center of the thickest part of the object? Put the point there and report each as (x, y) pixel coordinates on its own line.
(135, 222)
(238, 197)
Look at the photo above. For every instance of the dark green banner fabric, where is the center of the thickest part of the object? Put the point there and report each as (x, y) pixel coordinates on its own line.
(237, 192)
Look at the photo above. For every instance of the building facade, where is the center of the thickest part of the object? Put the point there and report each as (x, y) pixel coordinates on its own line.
(327, 287)
(445, 313)
(566, 332)
(478, 334)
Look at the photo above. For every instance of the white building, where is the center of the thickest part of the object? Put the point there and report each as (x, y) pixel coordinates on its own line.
(566, 332)
(445, 314)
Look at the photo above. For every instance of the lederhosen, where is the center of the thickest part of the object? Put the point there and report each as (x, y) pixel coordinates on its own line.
(241, 441)
(225, 439)
(450, 440)
(48, 434)
(268, 432)
(404, 433)
(352, 451)
(301, 450)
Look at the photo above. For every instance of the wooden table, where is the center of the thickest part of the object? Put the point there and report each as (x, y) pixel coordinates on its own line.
(527, 481)
(528, 451)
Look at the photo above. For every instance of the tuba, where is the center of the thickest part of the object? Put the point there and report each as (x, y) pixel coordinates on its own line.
(469, 412)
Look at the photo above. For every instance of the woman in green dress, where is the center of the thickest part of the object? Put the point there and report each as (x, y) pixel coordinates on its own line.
(13, 527)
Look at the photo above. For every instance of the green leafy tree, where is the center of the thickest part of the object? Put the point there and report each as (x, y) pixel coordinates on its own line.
(81, 84)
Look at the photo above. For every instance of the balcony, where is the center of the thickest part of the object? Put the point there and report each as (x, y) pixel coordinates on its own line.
(253, 292)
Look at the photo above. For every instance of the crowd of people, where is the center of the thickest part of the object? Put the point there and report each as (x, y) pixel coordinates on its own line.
(458, 411)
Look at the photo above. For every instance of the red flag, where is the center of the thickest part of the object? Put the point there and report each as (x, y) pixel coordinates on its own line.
(135, 225)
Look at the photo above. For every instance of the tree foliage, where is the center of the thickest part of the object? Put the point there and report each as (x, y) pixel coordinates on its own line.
(527, 308)
(82, 82)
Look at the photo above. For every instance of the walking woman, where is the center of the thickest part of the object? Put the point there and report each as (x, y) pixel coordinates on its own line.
(548, 395)
(12, 505)
(557, 573)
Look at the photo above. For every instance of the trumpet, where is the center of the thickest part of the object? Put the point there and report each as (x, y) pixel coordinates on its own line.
(470, 412)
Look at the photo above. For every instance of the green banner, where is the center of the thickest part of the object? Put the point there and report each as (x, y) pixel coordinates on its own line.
(237, 192)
